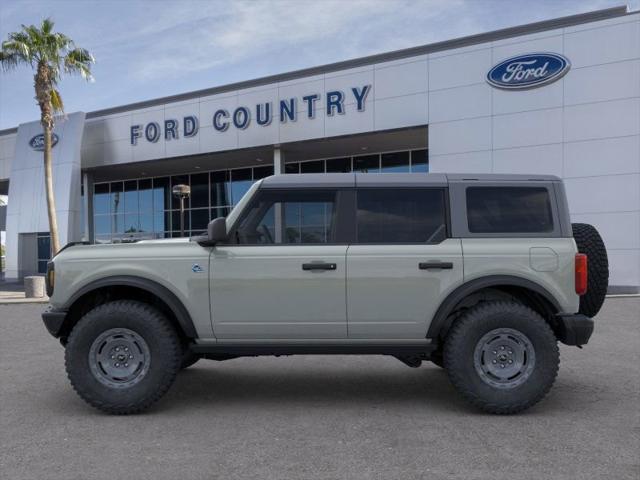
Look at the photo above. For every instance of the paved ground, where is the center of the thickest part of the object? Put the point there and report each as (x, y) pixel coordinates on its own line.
(322, 417)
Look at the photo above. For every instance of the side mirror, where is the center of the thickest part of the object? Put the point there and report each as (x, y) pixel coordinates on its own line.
(217, 230)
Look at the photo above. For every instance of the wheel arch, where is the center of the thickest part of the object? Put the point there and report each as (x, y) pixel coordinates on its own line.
(531, 293)
(135, 288)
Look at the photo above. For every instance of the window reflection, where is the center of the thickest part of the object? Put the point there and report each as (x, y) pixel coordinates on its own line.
(397, 162)
(241, 180)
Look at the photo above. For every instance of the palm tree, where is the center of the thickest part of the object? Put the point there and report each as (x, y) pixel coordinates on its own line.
(49, 54)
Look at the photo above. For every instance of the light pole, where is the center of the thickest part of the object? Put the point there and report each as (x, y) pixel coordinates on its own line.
(182, 192)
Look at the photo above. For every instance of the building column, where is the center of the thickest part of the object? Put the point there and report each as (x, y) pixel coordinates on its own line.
(87, 221)
(278, 160)
(278, 169)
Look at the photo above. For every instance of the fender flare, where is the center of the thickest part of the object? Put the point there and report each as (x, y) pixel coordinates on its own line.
(441, 321)
(163, 293)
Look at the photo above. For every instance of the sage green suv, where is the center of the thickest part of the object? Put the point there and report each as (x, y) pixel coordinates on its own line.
(479, 274)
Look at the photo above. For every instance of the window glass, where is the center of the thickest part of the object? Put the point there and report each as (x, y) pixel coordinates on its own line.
(199, 219)
(42, 266)
(220, 189)
(291, 217)
(339, 165)
(44, 246)
(161, 222)
(397, 162)
(419, 161)
(317, 166)
(219, 212)
(415, 215)
(200, 190)
(145, 195)
(367, 164)
(117, 223)
(175, 221)
(131, 196)
(146, 222)
(292, 167)
(102, 224)
(101, 198)
(131, 223)
(261, 172)
(161, 194)
(509, 210)
(117, 198)
(241, 180)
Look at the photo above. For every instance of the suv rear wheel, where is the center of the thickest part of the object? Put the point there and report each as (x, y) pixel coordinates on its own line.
(122, 356)
(502, 357)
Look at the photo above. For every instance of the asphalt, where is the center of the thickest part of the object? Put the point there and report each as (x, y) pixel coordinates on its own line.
(322, 417)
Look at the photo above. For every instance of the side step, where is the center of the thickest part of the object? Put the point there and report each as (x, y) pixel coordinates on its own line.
(421, 350)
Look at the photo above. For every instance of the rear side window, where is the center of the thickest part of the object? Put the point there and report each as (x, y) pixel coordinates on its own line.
(509, 210)
(413, 215)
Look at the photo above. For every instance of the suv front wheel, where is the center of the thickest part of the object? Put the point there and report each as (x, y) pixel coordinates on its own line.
(502, 357)
(122, 356)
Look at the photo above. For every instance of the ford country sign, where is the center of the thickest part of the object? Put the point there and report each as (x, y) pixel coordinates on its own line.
(528, 71)
(37, 142)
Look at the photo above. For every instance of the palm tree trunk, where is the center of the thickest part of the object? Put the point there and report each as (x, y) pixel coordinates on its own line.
(51, 201)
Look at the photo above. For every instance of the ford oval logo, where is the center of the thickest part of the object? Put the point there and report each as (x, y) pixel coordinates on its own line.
(528, 71)
(37, 142)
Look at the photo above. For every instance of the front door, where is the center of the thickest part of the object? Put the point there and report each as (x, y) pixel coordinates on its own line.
(283, 273)
(402, 264)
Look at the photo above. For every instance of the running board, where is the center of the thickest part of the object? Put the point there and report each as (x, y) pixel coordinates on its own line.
(252, 350)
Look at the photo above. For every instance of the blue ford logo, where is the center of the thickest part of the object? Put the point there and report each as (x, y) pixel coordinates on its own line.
(528, 71)
(37, 142)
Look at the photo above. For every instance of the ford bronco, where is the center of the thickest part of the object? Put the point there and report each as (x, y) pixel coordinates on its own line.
(482, 275)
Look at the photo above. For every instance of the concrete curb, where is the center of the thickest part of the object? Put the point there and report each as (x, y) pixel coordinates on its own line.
(18, 301)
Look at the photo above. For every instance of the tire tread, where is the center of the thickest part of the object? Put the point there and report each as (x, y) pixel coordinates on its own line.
(161, 325)
(479, 317)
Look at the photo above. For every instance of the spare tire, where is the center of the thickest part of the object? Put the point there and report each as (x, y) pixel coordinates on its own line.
(590, 243)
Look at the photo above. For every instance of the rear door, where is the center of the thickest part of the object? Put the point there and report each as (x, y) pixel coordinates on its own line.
(402, 264)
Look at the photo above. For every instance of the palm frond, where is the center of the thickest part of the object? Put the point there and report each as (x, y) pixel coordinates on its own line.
(47, 26)
(19, 48)
(79, 61)
(56, 101)
(9, 61)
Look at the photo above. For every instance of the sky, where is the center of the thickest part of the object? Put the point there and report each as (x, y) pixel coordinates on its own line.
(150, 49)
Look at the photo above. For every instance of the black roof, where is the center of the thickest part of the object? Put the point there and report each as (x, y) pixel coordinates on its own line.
(344, 180)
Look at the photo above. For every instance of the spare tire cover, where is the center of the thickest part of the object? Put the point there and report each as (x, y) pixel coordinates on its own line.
(590, 243)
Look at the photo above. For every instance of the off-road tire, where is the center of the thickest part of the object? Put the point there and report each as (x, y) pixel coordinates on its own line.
(469, 330)
(148, 323)
(590, 242)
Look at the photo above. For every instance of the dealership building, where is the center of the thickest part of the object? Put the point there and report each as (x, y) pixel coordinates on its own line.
(557, 97)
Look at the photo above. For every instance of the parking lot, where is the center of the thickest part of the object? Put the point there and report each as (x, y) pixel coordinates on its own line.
(322, 417)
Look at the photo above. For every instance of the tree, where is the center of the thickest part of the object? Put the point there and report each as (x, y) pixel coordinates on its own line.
(50, 55)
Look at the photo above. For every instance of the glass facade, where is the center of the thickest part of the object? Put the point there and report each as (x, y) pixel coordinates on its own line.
(44, 250)
(130, 210)
(414, 161)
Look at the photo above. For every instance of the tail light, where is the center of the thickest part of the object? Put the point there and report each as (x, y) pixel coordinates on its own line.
(581, 273)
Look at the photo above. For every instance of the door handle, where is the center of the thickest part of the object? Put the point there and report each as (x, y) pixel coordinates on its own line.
(435, 265)
(319, 266)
